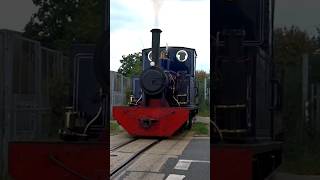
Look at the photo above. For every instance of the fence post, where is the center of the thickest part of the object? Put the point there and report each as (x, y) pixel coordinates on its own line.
(305, 83)
(122, 88)
(317, 99)
(205, 88)
(112, 76)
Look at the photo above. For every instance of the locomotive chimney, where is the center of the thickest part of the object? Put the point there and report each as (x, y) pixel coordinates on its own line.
(156, 45)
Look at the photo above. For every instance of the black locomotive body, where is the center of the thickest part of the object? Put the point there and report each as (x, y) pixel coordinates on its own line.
(245, 94)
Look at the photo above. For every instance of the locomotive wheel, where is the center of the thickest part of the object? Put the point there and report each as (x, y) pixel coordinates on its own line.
(188, 124)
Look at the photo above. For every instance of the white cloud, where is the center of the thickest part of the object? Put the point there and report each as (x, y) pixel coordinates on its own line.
(184, 23)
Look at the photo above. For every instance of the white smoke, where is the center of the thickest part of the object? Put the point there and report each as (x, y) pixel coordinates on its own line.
(157, 6)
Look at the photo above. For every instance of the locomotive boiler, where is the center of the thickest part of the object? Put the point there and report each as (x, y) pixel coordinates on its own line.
(165, 95)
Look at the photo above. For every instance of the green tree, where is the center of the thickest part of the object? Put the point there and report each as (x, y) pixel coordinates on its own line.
(300, 145)
(291, 43)
(131, 65)
(289, 46)
(58, 23)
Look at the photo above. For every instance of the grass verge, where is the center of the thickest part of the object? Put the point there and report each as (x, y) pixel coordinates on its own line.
(204, 110)
(114, 128)
(200, 128)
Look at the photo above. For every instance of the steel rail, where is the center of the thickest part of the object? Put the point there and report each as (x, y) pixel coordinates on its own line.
(133, 157)
(123, 144)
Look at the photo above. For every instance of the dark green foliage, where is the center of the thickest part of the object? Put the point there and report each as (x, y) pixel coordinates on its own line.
(290, 44)
(204, 109)
(300, 147)
(131, 65)
(58, 23)
(58, 98)
(200, 128)
(114, 128)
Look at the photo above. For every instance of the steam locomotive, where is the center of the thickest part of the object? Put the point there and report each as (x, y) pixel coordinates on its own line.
(246, 92)
(164, 97)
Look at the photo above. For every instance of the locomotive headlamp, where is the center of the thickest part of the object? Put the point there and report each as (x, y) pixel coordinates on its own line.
(182, 55)
(150, 56)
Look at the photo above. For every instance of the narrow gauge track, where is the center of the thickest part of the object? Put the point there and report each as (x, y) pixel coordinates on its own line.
(134, 155)
(123, 144)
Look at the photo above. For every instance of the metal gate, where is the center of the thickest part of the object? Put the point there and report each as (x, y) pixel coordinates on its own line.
(119, 86)
(24, 102)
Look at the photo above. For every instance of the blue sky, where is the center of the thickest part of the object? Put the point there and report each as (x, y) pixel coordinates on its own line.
(121, 16)
(183, 22)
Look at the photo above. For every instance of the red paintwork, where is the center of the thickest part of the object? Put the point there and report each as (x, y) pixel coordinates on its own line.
(231, 163)
(236, 161)
(157, 103)
(30, 160)
(167, 120)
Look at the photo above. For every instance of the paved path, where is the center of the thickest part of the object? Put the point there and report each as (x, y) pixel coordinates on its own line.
(192, 164)
(119, 139)
(203, 119)
(149, 165)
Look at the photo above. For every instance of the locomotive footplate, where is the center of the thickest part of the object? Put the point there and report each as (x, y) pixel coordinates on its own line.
(151, 121)
(254, 161)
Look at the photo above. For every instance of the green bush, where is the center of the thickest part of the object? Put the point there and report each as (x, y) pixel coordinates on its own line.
(200, 128)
